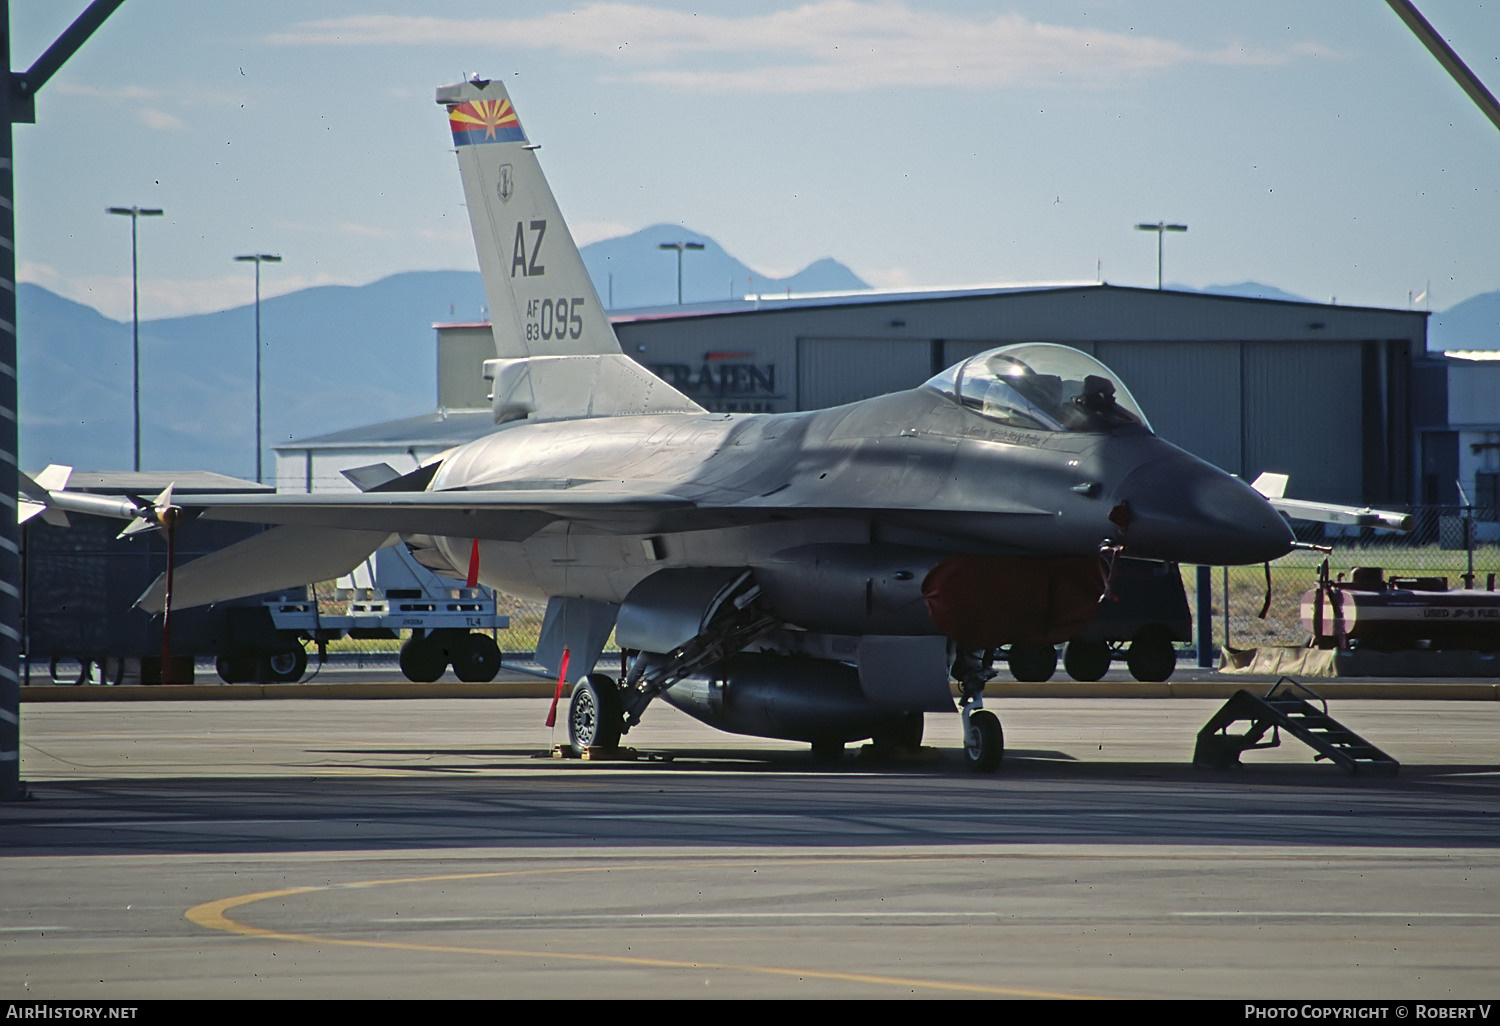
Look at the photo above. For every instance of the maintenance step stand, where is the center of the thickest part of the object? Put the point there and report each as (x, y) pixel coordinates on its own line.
(1282, 709)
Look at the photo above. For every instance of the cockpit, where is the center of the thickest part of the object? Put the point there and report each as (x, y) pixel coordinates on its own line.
(1040, 386)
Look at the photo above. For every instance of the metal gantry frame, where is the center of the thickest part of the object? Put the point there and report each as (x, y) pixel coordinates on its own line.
(18, 107)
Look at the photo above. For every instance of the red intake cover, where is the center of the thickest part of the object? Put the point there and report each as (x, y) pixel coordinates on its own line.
(990, 601)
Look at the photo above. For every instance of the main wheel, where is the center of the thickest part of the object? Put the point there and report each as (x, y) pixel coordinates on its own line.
(984, 742)
(595, 714)
(477, 658)
(1151, 655)
(1086, 660)
(903, 733)
(423, 660)
(287, 665)
(1031, 661)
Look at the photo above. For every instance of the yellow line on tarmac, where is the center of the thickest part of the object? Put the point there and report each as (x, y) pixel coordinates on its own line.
(214, 915)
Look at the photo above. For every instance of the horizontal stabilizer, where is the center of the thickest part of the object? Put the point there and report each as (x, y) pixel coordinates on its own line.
(371, 477)
(283, 557)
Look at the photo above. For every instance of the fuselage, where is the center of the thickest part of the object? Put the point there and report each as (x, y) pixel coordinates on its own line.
(914, 469)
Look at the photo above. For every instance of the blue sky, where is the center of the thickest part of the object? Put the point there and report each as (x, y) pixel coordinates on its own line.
(1313, 146)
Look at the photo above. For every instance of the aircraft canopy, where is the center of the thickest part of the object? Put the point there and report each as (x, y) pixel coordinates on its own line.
(1041, 386)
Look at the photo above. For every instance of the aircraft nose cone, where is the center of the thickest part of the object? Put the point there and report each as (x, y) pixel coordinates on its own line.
(1187, 511)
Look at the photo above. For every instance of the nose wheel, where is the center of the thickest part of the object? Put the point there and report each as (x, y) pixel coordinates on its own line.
(984, 740)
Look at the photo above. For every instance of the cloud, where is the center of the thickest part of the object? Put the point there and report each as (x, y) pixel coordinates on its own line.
(147, 104)
(821, 46)
(161, 120)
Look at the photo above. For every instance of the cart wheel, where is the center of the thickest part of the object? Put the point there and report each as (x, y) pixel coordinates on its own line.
(1087, 660)
(236, 667)
(1151, 656)
(1031, 661)
(476, 659)
(423, 660)
(68, 670)
(287, 665)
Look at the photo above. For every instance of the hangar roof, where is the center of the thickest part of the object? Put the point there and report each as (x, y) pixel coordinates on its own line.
(875, 297)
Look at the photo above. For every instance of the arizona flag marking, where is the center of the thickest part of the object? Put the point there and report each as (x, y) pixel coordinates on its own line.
(482, 121)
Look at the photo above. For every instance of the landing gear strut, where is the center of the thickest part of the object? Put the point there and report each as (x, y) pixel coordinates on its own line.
(984, 740)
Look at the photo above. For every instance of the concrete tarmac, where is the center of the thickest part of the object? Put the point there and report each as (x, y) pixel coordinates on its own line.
(430, 849)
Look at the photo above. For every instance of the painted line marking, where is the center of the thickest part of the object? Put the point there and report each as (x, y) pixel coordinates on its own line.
(214, 915)
(1274, 914)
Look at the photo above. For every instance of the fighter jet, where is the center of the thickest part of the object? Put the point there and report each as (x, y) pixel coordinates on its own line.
(818, 576)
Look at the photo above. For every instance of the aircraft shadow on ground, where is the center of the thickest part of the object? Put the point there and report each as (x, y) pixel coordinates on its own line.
(784, 800)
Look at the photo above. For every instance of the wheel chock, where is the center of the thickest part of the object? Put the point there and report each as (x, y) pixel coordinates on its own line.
(601, 753)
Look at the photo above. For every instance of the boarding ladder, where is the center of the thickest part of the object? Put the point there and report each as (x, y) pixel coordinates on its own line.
(1282, 708)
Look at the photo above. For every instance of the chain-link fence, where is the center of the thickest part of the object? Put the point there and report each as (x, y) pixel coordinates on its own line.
(1446, 541)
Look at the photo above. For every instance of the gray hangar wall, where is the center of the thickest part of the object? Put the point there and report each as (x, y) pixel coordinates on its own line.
(1322, 393)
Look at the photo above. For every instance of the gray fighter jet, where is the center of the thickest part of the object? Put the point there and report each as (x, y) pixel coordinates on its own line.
(819, 576)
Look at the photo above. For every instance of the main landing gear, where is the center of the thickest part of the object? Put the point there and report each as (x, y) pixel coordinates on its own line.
(984, 740)
(596, 715)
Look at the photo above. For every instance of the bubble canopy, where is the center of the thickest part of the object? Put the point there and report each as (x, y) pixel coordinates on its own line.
(1042, 386)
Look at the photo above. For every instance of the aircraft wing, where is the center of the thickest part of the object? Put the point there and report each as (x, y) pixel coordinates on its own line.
(319, 536)
(503, 515)
(513, 513)
(283, 557)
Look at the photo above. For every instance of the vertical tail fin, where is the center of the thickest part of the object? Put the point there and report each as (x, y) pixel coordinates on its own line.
(542, 302)
(544, 310)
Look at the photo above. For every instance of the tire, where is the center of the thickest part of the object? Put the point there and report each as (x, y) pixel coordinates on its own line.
(596, 716)
(1087, 660)
(476, 659)
(423, 660)
(904, 733)
(236, 668)
(984, 742)
(1031, 661)
(60, 669)
(287, 665)
(1151, 656)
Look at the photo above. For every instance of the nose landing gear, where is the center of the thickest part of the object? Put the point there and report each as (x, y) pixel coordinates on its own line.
(984, 740)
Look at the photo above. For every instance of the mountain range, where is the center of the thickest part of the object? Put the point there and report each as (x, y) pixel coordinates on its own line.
(634, 271)
(335, 357)
(332, 357)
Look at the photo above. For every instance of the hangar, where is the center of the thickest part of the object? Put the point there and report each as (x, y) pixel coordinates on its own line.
(1322, 392)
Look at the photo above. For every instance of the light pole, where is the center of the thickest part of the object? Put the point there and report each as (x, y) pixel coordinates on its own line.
(258, 259)
(679, 247)
(1160, 228)
(135, 214)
